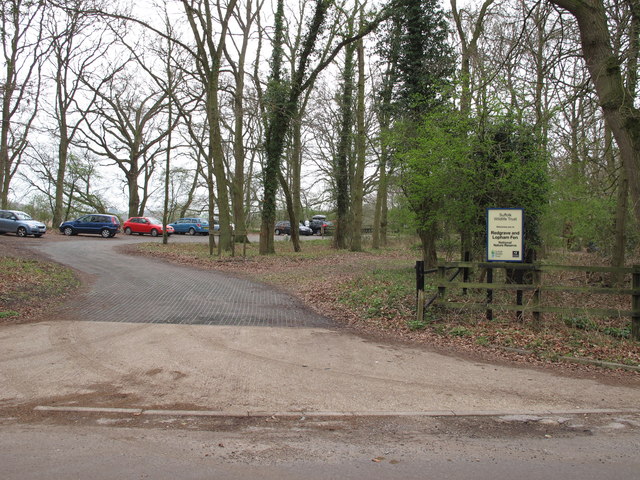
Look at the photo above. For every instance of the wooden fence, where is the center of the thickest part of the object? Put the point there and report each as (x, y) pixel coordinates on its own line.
(536, 286)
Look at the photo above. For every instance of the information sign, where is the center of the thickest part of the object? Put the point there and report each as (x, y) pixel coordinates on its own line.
(505, 235)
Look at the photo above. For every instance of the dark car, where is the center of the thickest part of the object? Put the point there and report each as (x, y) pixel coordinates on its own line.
(284, 228)
(191, 226)
(20, 223)
(95, 223)
(142, 225)
(320, 225)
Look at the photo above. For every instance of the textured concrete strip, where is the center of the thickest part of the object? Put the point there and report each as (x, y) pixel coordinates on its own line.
(434, 413)
(600, 363)
(45, 408)
(192, 413)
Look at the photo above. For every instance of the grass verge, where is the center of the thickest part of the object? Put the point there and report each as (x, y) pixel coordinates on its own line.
(27, 286)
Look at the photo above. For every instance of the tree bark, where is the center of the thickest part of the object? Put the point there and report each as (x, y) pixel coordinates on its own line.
(358, 181)
(342, 156)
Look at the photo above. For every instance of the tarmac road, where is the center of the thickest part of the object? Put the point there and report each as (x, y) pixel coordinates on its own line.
(148, 336)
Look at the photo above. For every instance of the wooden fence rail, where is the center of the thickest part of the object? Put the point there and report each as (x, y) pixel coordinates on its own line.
(536, 286)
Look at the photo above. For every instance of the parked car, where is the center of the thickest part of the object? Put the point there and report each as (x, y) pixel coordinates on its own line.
(142, 225)
(216, 225)
(191, 226)
(95, 223)
(320, 225)
(20, 223)
(284, 228)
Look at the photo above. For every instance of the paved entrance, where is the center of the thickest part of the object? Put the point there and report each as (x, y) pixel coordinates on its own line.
(140, 290)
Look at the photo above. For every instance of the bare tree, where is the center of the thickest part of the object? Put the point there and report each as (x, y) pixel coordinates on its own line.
(124, 128)
(245, 20)
(616, 100)
(78, 43)
(23, 46)
(208, 55)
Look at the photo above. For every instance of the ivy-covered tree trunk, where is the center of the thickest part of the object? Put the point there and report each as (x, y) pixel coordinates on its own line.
(282, 98)
(342, 155)
(358, 181)
(275, 132)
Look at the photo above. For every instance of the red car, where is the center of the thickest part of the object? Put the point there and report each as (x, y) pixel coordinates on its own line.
(142, 225)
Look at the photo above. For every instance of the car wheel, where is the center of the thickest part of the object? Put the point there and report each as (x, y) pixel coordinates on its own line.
(68, 231)
(154, 233)
(192, 231)
(127, 231)
(21, 232)
(105, 233)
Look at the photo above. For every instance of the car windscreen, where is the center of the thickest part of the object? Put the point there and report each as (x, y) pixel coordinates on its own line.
(22, 216)
(154, 221)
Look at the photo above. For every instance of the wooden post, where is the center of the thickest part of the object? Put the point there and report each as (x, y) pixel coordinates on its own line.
(519, 278)
(489, 294)
(442, 272)
(635, 304)
(419, 276)
(420, 291)
(420, 307)
(465, 271)
(537, 316)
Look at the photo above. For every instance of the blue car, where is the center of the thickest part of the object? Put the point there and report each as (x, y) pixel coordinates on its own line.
(191, 226)
(20, 223)
(98, 223)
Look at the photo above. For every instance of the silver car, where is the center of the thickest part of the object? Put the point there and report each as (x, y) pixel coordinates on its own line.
(20, 223)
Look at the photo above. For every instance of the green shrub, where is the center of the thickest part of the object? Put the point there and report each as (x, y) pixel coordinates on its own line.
(460, 331)
(617, 332)
(581, 323)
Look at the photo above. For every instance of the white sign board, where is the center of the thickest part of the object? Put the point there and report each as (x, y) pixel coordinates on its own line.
(505, 236)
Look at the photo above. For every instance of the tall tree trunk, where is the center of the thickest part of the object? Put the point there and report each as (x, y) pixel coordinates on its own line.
(428, 237)
(63, 152)
(379, 221)
(617, 259)
(216, 164)
(295, 163)
(357, 191)
(293, 220)
(275, 131)
(167, 166)
(342, 156)
(134, 196)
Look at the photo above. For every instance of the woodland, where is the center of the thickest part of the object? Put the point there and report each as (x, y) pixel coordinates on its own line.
(409, 116)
